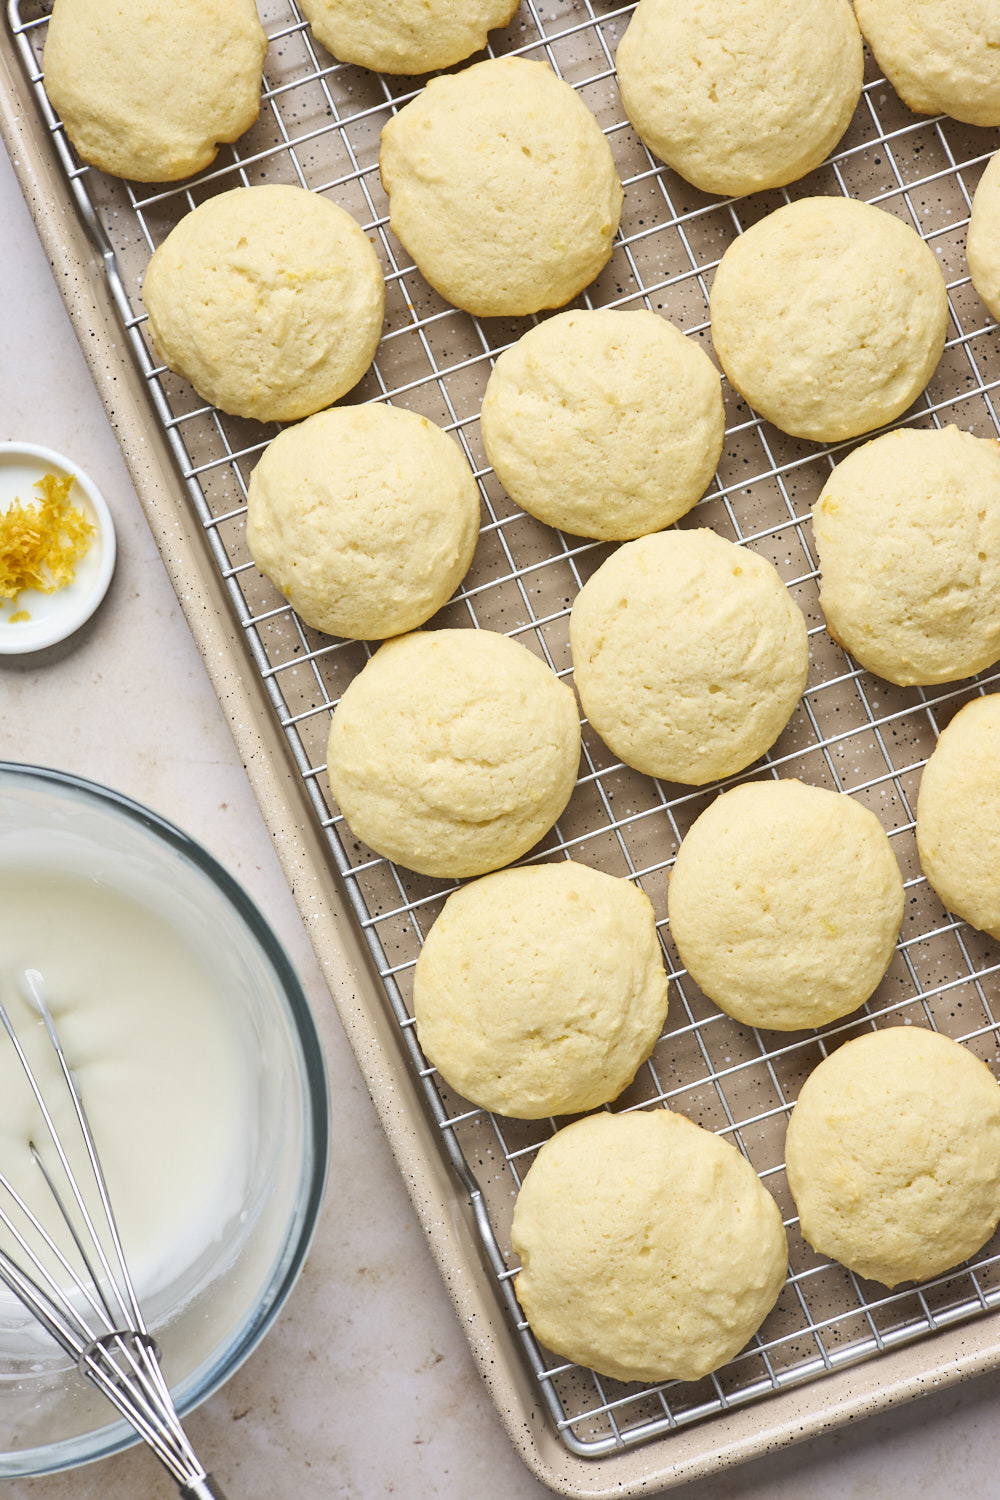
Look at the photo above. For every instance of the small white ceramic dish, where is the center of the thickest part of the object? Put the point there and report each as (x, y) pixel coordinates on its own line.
(53, 617)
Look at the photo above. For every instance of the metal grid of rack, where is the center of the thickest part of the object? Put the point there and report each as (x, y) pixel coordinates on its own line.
(319, 127)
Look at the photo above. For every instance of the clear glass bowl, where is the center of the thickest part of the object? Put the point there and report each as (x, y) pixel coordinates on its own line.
(218, 1309)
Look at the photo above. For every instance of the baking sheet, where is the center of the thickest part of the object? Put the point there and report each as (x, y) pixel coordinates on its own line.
(319, 127)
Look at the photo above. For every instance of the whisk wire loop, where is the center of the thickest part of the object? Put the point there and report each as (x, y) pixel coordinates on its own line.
(83, 1284)
(118, 1280)
(59, 1319)
(98, 1321)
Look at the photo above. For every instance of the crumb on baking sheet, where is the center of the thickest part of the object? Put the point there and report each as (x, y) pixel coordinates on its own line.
(41, 542)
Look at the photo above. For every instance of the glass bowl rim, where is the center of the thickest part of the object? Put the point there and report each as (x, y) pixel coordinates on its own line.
(117, 1435)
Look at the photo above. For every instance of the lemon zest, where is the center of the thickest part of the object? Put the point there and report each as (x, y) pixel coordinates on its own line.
(42, 542)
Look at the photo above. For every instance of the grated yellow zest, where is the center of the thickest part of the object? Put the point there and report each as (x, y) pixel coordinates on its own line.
(41, 543)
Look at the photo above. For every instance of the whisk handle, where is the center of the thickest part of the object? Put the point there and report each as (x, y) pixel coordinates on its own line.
(202, 1489)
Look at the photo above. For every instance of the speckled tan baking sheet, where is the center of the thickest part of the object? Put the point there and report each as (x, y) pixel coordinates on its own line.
(834, 1347)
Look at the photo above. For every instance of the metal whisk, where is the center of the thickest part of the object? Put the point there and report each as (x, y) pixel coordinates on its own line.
(108, 1339)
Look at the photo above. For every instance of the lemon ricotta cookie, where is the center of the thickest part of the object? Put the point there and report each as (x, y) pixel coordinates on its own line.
(365, 517)
(689, 655)
(907, 532)
(606, 424)
(893, 1155)
(743, 96)
(268, 299)
(150, 89)
(958, 815)
(649, 1248)
(785, 902)
(829, 317)
(983, 243)
(941, 56)
(502, 187)
(453, 751)
(539, 991)
(405, 36)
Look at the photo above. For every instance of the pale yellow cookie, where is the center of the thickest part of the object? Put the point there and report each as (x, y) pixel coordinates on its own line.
(268, 299)
(148, 90)
(649, 1248)
(539, 991)
(983, 242)
(893, 1155)
(502, 187)
(365, 517)
(453, 751)
(907, 533)
(829, 316)
(958, 815)
(742, 96)
(405, 36)
(941, 56)
(689, 655)
(606, 424)
(785, 903)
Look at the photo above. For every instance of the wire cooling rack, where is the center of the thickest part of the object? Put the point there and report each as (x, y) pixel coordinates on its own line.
(319, 127)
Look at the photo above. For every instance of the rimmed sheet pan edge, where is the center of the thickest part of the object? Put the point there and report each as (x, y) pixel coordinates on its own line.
(791, 1416)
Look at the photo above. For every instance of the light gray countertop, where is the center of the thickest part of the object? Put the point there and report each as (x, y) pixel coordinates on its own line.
(365, 1386)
